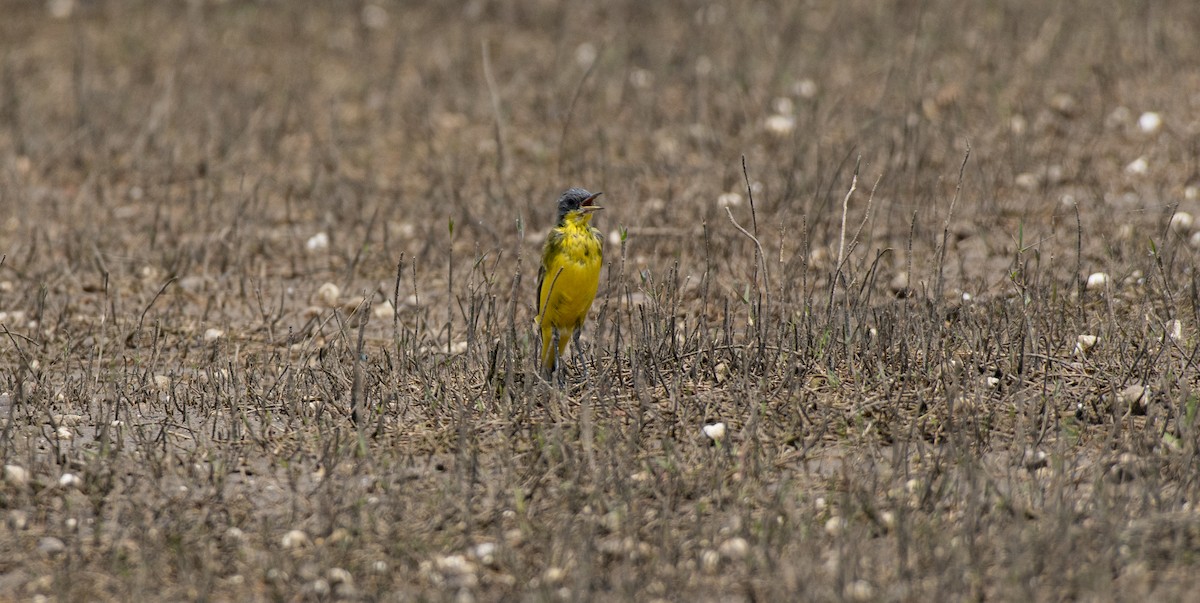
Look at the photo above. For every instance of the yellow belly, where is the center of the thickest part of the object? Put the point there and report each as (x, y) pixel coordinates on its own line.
(568, 289)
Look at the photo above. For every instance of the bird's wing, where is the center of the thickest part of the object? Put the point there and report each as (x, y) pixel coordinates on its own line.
(537, 300)
(553, 245)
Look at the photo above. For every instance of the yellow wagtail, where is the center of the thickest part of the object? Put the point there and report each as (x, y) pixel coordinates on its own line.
(569, 275)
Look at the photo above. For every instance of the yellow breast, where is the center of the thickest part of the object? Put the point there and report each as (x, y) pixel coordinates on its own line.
(572, 261)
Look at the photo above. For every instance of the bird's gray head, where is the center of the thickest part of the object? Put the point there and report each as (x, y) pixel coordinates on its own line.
(576, 200)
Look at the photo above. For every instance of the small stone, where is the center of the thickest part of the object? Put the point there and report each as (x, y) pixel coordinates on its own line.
(734, 548)
(162, 383)
(710, 561)
(1174, 330)
(585, 55)
(69, 480)
(16, 475)
(64, 433)
(714, 431)
(1097, 280)
(234, 535)
(1138, 167)
(553, 575)
(327, 295)
(17, 519)
(780, 125)
(294, 539)
(1064, 104)
(721, 372)
(899, 285)
(1150, 122)
(1133, 399)
(859, 590)
(1033, 459)
(888, 519)
(485, 552)
(384, 310)
(992, 382)
(317, 242)
(337, 575)
(805, 88)
(1084, 343)
(1027, 181)
(729, 200)
(214, 334)
(1181, 222)
(69, 419)
(835, 525)
(50, 546)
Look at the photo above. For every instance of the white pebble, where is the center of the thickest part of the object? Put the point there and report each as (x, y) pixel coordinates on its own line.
(16, 475)
(50, 546)
(992, 382)
(1181, 222)
(835, 525)
(383, 310)
(484, 551)
(806, 88)
(714, 431)
(1195, 240)
(317, 242)
(780, 124)
(783, 105)
(294, 539)
(213, 334)
(1174, 329)
(888, 519)
(859, 590)
(337, 575)
(1097, 280)
(1191, 192)
(734, 548)
(721, 372)
(1150, 122)
(585, 54)
(729, 200)
(1083, 343)
(327, 295)
(454, 565)
(1017, 124)
(1138, 167)
(69, 480)
(1027, 181)
(64, 433)
(710, 561)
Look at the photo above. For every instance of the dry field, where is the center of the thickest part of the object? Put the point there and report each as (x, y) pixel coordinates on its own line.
(267, 277)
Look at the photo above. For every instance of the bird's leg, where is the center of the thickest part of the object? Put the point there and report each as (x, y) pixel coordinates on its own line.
(555, 365)
(577, 349)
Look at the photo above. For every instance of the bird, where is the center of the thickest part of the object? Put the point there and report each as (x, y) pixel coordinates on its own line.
(569, 276)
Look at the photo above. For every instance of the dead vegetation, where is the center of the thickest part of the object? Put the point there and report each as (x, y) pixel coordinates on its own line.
(266, 297)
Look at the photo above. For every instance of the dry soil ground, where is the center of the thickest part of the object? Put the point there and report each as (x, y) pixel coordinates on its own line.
(267, 276)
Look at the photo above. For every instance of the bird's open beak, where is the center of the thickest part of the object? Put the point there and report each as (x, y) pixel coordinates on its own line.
(589, 204)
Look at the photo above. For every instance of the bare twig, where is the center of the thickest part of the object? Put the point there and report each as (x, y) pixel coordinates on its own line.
(501, 155)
